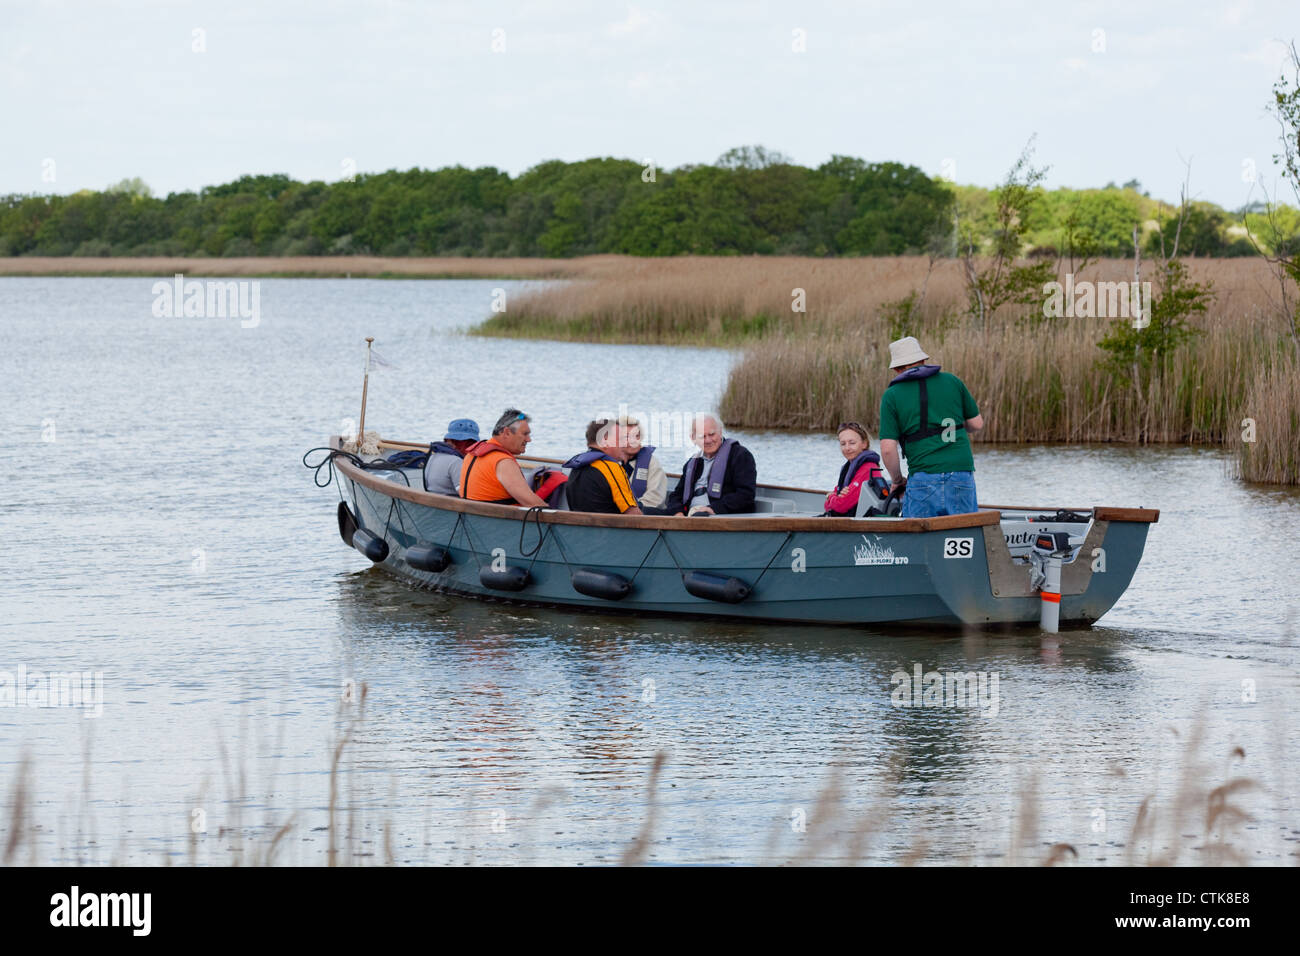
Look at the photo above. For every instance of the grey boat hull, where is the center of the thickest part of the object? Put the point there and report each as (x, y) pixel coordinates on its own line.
(960, 570)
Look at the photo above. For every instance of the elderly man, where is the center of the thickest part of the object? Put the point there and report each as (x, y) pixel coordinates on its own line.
(720, 480)
(597, 477)
(645, 474)
(490, 471)
(930, 414)
(446, 457)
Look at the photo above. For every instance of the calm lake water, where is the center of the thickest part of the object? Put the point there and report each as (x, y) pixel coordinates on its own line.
(162, 532)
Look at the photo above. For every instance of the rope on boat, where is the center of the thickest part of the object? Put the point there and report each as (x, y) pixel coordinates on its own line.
(671, 555)
(779, 549)
(654, 544)
(388, 523)
(456, 527)
(550, 532)
(535, 513)
(468, 540)
(327, 463)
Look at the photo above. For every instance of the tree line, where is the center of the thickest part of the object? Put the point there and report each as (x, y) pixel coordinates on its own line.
(749, 201)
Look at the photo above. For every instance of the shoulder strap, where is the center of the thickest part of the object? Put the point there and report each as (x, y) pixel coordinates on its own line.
(925, 429)
(464, 481)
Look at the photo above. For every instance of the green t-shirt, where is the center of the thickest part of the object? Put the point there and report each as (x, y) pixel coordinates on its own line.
(900, 413)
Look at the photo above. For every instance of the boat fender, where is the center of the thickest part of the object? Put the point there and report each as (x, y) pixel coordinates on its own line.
(601, 584)
(511, 579)
(347, 523)
(714, 587)
(370, 544)
(428, 557)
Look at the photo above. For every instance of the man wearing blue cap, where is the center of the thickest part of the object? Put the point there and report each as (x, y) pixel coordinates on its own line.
(442, 470)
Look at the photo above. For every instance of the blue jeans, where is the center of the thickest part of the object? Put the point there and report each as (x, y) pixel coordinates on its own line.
(929, 496)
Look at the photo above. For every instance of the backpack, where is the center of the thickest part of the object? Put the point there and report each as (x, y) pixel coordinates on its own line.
(408, 459)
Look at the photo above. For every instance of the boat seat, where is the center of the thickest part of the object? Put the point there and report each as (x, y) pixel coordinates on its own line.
(771, 505)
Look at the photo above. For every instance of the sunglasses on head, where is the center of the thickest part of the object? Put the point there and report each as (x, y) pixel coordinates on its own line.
(854, 425)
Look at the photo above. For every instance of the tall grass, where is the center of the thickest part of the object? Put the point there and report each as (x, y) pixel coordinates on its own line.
(1272, 409)
(1035, 379)
(1041, 386)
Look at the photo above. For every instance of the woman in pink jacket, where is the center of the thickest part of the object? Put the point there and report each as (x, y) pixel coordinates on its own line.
(861, 468)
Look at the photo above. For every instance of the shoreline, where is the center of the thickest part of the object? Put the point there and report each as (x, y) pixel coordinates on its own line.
(296, 267)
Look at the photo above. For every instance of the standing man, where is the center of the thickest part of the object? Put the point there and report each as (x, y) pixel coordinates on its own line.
(930, 414)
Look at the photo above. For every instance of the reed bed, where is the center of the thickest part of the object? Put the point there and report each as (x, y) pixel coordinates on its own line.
(1268, 447)
(1041, 386)
(733, 301)
(1036, 379)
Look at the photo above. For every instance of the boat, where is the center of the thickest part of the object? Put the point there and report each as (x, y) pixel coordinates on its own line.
(1000, 565)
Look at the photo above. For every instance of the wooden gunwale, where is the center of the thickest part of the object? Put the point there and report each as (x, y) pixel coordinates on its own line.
(987, 515)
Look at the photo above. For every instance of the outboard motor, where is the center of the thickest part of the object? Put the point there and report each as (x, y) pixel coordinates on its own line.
(1049, 553)
(875, 500)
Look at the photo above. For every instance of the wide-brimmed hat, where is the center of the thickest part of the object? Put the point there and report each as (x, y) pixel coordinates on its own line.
(462, 429)
(906, 351)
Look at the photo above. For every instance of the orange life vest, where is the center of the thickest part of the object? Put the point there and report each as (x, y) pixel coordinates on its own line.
(478, 473)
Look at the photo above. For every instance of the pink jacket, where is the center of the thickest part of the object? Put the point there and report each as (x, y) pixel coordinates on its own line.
(845, 500)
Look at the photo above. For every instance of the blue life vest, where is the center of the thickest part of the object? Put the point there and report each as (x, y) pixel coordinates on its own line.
(639, 470)
(851, 468)
(589, 456)
(925, 429)
(408, 459)
(694, 466)
(442, 448)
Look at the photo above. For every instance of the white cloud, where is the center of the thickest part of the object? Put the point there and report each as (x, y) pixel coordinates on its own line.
(1236, 12)
(635, 22)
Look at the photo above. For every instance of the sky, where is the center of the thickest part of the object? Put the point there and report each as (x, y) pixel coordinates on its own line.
(185, 95)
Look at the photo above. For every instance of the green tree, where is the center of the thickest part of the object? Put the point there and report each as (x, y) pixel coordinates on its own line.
(1002, 280)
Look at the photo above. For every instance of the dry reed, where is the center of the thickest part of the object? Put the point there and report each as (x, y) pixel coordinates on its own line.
(1036, 380)
(1268, 447)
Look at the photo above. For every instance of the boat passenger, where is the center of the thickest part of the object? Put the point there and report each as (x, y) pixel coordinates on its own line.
(645, 474)
(442, 470)
(721, 479)
(929, 414)
(860, 474)
(597, 477)
(490, 472)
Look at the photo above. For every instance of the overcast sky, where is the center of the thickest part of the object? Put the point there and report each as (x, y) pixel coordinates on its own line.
(185, 95)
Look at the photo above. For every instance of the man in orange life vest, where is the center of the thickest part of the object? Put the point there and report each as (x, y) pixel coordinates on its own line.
(490, 471)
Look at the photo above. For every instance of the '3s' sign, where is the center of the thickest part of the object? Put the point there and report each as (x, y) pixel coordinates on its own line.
(958, 547)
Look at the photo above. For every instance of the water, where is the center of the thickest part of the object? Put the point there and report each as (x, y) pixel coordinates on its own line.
(161, 530)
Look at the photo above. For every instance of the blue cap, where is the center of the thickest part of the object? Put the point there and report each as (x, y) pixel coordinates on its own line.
(462, 429)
